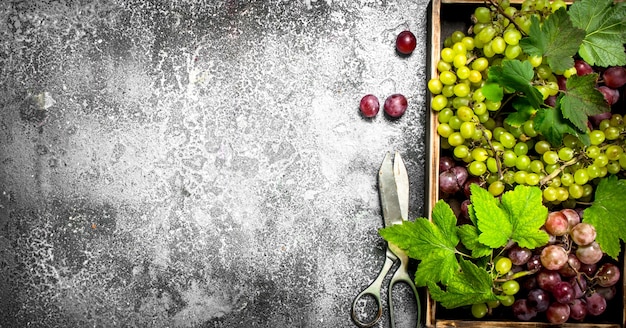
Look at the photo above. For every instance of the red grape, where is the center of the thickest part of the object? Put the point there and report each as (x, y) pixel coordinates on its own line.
(570, 269)
(538, 299)
(553, 257)
(453, 179)
(589, 254)
(369, 105)
(577, 310)
(596, 304)
(583, 234)
(395, 105)
(519, 255)
(522, 311)
(572, 216)
(607, 275)
(610, 95)
(546, 279)
(582, 68)
(557, 224)
(557, 312)
(406, 42)
(580, 286)
(446, 163)
(614, 77)
(563, 292)
(607, 292)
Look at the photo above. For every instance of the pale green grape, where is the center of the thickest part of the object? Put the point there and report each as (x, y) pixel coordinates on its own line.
(477, 168)
(445, 115)
(435, 86)
(461, 151)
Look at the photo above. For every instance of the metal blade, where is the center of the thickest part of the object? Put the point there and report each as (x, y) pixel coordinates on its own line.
(402, 185)
(392, 214)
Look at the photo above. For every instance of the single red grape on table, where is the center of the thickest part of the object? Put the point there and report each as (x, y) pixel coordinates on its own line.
(406, 42)
(369, 106)
(395, 105)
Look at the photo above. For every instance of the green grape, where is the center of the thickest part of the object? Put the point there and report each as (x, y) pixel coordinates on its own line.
(593, 151)
(480, 154)
(503, 266)
(535, 61)
(553, 87)
(492, 165)
(480, 108)
(445, 115)
(447, 55)
(482, 14)
(522, 162)
(613, 152)
(603, 172)
(459, 60)
(602, 160)
(545, 93)
(459, 102)
(474, 76)
(488, 50)
(532, 179)
(555, 182)
(492, 105)
(562, 194)
(509, 158)
(486, 34)
(444, 130)
(512, 36)
(567, 179)
(529, 128)
(457, 36)
(467, 129)
(461, 151)
(576, 191)
(542, 146)
(464, 72)
(506, 300)
(479, 310)
(536, 166)
(448, 91)
(490, 124)
(510, 287)
(468, 42)
(571, 141)
(611, 132)
(581, 176)
(480, 64)
(593, 171)
(613, 167)
(484, 117)
(616, 120)
(622, 161)
(477, 168)
(551, 168)
(455, 123)
(507, 140)
(543, 71)
(478, 134)
(442, 66)
(438, 102)
(496, 146)
(498, 45)
(459, 49)
(461, 90)
(447, 77)
(435, 86)
(520, 177)
(550, 194)
(596, 137)
(521, 148)
(550, 157)
(444, 144)
(478, 95)
(512, 51)
(566, 153)
(465, 113)
(493, 304)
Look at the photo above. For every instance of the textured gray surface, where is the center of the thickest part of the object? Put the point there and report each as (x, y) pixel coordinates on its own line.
(199, 163)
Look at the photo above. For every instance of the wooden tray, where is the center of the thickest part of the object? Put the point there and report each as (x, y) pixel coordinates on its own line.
(446, 16)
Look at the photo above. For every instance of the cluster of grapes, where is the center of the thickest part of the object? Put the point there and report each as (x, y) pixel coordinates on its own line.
(568, 278)
(472, 128)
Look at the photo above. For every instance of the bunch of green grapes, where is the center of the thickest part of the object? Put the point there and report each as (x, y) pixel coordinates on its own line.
(472, 128)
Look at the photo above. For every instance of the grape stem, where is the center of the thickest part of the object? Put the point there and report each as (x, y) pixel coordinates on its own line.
(560, 169)
(495, 155)
(517, 275)
(519, 28)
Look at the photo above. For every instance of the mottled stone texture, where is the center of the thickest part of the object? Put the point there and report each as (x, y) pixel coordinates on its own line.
(199, 163)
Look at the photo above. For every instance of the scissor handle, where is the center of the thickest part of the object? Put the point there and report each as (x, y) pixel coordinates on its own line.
(374, 290)
(402, 275)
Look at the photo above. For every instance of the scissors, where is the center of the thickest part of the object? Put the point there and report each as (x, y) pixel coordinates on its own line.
(393, 185)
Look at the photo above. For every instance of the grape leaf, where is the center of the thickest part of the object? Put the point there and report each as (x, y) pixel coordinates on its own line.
(492, 91)
(551, 124)
(605, 27)
(606, 214)
(469, 237)
(516, 75)
(472, 285)
(556, 39)
(524, 111)
(518, 217)
(434, 243)
(582, 99)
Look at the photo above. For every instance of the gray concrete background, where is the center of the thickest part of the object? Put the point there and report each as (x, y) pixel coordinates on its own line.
(199, 163)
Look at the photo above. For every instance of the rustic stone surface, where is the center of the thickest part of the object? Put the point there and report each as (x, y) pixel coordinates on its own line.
(199, 163)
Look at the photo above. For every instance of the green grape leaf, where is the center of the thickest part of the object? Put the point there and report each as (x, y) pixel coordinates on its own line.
(492, 91)
(519, 217)
(556, 39)
(551, 124)
(433, 243)
(469, 286)
(516, 75)
(606, 214)
(582, 99)
(524, 112)
(469, 237)
(604, 24)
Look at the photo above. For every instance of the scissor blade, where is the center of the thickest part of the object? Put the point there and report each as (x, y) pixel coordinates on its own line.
(402, 183)
(392, 213)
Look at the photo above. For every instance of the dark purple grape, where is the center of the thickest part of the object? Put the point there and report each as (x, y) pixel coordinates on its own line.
(529, 283)
(446, 163)
(610, 95)
(406, 42)
(614, 77)
(557, 313)
(588, 269)
(538, 299)
(607, 292)
(469, 182)
(522, 311)
(577, 310)
(579, 284)
(570, 269)
(395, 105)
(546, 279)
(519, 255)
(452, 180)
(464, 209)
(596, 119)
(369, 106)
(607, 275)
(582, 68)
(550, 101)
(562, 82)
(563, 292)
(596, 304)
(534, 263)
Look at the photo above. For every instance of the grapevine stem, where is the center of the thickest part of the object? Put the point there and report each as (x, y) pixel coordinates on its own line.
(519, 28)
(495, 154)
(517, 275)
(560, 169)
